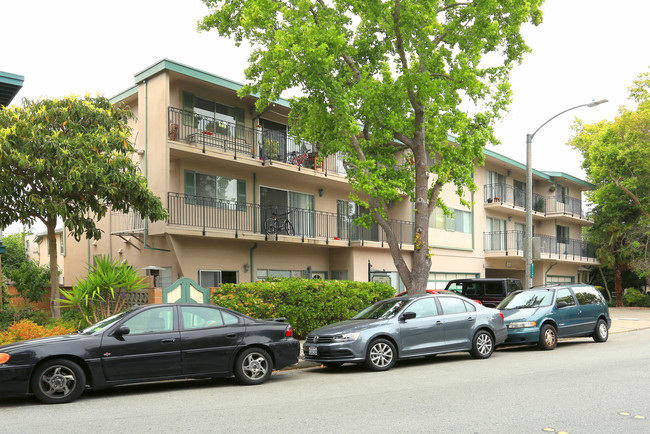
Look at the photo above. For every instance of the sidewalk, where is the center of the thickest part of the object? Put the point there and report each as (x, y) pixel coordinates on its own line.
(627, 319)
(624, 319)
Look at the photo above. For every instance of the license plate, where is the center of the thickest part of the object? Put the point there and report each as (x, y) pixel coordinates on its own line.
(313, 351)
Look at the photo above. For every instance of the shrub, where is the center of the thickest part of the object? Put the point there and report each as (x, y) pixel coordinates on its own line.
(32, 280)
(634, 297)
(306, 304)
(26, 329)
(9, 315)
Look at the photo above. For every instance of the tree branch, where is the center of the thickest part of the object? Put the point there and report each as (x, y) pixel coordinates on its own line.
(634, 198)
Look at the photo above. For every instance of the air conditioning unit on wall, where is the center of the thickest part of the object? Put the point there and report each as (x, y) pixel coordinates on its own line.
(320, 276)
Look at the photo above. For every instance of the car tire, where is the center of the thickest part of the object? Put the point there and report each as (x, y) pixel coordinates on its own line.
(333, 365)
(547, 337)
(253, 366)
(58, 381)
(380, 355)
(482, 345)
(601, 333)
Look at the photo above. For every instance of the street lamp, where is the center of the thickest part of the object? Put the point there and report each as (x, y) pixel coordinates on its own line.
(528, 246)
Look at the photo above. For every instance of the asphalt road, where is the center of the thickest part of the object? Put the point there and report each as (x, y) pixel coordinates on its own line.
(580, 387)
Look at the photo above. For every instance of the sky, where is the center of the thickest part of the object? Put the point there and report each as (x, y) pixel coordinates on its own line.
(584, 51)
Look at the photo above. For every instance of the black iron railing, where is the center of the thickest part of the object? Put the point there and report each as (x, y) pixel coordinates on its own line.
(260, 143)
(509, 196)
(238, 217)
(550, 247)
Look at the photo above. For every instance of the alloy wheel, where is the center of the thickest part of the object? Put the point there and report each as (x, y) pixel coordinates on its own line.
(255, 366)
(381, 355)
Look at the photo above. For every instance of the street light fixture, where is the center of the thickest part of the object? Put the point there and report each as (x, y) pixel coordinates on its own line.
(528, 245)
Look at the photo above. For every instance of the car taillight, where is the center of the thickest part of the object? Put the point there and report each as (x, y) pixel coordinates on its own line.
(501, 314)
(289, 332)
(4, 358)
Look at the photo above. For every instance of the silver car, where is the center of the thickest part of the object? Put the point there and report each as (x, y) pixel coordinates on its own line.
(404, 327)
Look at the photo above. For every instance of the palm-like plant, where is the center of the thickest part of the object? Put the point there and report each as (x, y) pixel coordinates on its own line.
(104, 291)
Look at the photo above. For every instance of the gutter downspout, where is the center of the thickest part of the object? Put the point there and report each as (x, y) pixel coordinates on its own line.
(146, 160)
(251, 259)
(549, 269)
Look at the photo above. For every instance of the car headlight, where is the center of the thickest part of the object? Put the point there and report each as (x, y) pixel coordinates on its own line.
(522, 324)
(4, 358)
(346, 337)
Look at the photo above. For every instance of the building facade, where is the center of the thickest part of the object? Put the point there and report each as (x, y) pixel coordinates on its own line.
(247, 201)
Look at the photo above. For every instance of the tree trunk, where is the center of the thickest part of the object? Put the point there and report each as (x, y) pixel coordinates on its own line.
(618, 284)
(602, 276)
(54, 268)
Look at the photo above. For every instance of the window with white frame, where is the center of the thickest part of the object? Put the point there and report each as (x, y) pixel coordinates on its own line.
(459, 221)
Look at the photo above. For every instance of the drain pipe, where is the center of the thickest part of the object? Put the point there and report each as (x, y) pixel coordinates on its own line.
(146, 160)
(251, 259)
(549, 269)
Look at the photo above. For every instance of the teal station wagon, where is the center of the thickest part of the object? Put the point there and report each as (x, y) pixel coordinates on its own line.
(542, 315)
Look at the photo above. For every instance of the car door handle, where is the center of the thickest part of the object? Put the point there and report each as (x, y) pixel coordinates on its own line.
(438, 323)
(231, 336)
(470, 319)
(168, 341)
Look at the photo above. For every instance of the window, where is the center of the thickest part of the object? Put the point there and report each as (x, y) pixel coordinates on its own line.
(564, 294)
(459, 221)
(424, 308)
(160, 319)
(212, 116)
(229, 319)
(520, 193)
(347, 211)
(588, 295)
(493, 288)
(339, 274)
(209, 278)
(200, 317)
(440, 280)
(452, 305)
(562, 195)
(562, 234)
(262, 274)
(495, 186)
(495, 237)
(216, 189)
(299, 206)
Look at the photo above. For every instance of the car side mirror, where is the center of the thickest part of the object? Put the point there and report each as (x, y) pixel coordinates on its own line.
(408, 315)
(561, 304)
(122, 330)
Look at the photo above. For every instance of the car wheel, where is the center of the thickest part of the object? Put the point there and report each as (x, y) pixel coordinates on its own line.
(253, 366)
(601, 333)
(333, 365)
(58, 381)
(547, 337)
(380, 355)
(482, 346)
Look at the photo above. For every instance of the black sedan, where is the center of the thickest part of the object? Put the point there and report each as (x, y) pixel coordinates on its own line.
(148, 343)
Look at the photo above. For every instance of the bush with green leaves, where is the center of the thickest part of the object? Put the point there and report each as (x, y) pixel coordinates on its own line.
(32, 281)
(306, 304)
(10, 315)
(103, 292)
(634, 297)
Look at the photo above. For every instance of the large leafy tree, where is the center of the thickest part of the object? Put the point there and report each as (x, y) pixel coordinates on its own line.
(15, 254)
(69, 158)
(384, 83)
(617, 160)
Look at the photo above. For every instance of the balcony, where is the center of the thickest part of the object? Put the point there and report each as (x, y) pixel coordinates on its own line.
(258, 143)
(239, 218)
(513, 201)
(511, 243)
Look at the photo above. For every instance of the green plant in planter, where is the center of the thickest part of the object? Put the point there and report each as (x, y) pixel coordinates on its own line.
(270, 149)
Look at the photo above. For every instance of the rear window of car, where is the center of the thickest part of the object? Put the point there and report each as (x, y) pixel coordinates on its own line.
(586, 295)
(493, 288)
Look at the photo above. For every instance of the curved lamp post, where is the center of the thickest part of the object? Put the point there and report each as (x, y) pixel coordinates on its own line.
(528, 246)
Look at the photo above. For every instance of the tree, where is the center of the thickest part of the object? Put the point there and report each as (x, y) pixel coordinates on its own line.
(617, 160)
(70, 158)
(384, 83)
(103, 292)
(15, 255)
(31, 280)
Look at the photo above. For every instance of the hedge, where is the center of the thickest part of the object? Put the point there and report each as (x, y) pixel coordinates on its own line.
(306, 303)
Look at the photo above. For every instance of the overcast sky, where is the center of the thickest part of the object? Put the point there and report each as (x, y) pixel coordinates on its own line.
(584, 50)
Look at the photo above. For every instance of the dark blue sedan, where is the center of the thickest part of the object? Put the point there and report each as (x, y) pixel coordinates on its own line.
(148, 343)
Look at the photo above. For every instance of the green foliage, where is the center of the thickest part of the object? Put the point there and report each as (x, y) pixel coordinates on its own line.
(15, 255)
(9, 315)
(383, 84)
(69, 158)
(306, 304)
(634, 297)
(103, 292)
(32, 281)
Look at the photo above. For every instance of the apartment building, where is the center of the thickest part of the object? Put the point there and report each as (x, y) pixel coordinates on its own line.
(246, 201)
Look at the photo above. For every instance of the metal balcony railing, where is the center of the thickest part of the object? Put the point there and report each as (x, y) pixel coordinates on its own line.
(259, 143)
(550, 247)
(126, 222)
(507, 195)
(239, 217)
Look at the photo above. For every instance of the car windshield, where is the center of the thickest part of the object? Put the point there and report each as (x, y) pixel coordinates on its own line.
(526, 299)
(382, 310)
(103, 324)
